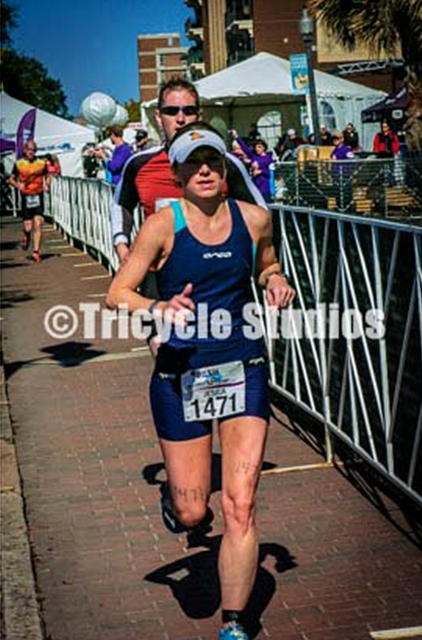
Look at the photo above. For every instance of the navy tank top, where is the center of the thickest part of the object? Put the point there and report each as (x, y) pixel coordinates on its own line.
(221, 278)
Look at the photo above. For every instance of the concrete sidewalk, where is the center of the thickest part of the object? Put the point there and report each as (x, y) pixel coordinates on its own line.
(338, 558)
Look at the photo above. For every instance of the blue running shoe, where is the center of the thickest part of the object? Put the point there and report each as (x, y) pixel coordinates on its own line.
(232, 631)
(173, 524)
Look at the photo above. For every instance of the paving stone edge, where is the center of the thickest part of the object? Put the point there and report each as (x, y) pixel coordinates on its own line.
(20, 612)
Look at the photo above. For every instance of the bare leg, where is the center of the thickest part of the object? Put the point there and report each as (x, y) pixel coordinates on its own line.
(27, 227)
(188, 466)
(242, 446)
(38, 223)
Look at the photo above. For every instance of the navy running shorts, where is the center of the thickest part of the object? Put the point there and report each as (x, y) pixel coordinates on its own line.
(167, 406)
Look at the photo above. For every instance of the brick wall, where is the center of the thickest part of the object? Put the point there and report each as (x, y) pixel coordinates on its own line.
(276, 31)
(276, 27)
(153, 50)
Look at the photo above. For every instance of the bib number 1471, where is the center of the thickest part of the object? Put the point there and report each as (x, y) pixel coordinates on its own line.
(213, 392)
(215, 406)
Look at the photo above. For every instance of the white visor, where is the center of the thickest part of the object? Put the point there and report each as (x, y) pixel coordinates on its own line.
(181, 148)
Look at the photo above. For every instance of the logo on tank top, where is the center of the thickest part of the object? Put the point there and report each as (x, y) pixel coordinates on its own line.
(217, 254)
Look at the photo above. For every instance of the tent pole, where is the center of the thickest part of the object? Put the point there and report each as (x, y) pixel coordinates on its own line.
(231, 114)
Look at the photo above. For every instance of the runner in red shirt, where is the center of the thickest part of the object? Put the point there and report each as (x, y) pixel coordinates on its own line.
(148, 179)
(30, 175)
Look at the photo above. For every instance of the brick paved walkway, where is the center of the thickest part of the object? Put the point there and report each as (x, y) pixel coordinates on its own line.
(338, 558)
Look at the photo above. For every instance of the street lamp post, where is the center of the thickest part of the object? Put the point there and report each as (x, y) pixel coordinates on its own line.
(307, 30)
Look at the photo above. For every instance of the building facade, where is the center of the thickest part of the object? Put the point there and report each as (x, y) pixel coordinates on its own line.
(206, 30)
(160, 56)
(239, 26)
(194, 31)
(252, 26)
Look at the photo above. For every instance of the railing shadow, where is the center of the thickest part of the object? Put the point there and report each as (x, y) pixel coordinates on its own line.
(397, 508)
(13, 298)
(394, 505)
(311, 432)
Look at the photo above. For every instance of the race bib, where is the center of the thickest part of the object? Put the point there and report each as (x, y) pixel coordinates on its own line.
(33, 201)
(213, 392)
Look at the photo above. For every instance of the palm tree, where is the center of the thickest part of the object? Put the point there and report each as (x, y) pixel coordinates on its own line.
(389, 25)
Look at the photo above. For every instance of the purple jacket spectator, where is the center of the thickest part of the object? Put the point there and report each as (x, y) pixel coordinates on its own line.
(260, 164)
(115, 166)
(342, 152)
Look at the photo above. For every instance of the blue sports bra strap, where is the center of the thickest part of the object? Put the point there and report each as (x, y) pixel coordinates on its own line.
(235, 210)
(179, 217)
(239, 223)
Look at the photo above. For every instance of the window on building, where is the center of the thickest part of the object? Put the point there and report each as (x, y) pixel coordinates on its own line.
(246, 10)
(270, 127)
(327, 115)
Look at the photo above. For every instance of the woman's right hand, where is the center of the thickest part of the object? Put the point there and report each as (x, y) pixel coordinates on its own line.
(178, 308)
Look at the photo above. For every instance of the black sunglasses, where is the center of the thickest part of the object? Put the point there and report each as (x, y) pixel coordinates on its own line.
(189, 110)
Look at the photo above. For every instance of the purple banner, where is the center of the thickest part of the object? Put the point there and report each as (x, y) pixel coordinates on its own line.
(6, 146)
(26, 131)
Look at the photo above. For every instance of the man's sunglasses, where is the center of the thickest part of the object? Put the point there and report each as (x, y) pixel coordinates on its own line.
(189, 110)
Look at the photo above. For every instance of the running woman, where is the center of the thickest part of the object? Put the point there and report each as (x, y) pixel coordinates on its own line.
(206, 248)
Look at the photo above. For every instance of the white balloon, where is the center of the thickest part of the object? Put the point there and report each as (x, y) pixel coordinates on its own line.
(120, 117)
(98, 109)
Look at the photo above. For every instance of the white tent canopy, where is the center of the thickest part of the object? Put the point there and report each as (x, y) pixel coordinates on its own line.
(51, 133)
(267, 75)
(259, 89)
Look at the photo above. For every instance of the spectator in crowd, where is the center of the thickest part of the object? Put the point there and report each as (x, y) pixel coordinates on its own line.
(53, 165)
(30, 176)
(194, 225)
(253, 134)
(351, 136)
(341, 151)
(121, 154)
(141, 140)
(261, 160)
(325, 136)
(287, 145)
(148, 179)
(5, 196)
(342, 173)
(239, 153)
(91, 163)
(386, 142)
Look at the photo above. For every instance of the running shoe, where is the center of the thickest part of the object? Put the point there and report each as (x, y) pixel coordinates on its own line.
(172, 523)
(36, 256)
(25, 243)
(232, 631)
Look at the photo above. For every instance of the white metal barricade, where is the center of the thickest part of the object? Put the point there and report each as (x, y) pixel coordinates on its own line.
(359, 374)
(351, 349)
(82, 209)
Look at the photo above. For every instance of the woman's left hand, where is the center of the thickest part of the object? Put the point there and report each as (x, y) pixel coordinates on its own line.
(278, 291)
